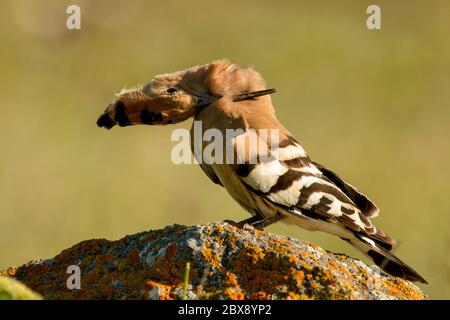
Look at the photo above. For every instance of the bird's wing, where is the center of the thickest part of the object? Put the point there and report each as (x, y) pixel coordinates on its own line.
(288, 178)
(367, 207)
(209, 171)
(197, 152)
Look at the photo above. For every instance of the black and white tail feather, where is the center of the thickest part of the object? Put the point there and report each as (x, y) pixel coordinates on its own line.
(309, 195)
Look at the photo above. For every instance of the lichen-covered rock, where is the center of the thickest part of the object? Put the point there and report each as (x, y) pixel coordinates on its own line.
(226, 263)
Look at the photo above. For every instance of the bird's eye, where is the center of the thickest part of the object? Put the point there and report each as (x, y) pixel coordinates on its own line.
(171, 90)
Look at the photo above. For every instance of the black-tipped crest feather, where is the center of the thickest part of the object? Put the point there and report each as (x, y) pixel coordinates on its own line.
(252, 95)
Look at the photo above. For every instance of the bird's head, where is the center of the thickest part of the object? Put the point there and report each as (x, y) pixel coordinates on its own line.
(175, 97)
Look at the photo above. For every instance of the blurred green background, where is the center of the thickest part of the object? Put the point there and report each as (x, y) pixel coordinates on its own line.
(371, 105)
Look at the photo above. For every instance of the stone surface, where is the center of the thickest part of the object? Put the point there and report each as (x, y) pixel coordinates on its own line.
(226, 263)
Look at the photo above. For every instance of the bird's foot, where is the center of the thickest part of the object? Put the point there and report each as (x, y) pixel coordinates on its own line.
(261, 224)
(255, 222)
(244, 224)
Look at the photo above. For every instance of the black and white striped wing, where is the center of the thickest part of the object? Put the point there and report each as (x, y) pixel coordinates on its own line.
(291, 180)
(367, 207)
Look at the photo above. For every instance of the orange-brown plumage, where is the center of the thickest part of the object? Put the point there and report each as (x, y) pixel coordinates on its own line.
(285, 185)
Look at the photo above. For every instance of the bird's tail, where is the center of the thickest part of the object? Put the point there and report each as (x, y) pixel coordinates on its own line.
(386, 260)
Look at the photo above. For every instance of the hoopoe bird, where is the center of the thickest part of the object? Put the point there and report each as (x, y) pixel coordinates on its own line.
(285, 185)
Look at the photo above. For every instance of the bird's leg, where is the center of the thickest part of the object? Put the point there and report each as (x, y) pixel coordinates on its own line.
(257, 222)
(249, 221)
(261, 224)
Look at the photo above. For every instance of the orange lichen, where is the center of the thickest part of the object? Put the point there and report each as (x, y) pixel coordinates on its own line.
(300, 276)
(314, 285)
(400, 288)
(227, 262)
(10, 272)
(158, 291)
(210, 256)
(260, 295)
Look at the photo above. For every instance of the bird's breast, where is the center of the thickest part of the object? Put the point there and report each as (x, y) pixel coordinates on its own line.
(241, 194)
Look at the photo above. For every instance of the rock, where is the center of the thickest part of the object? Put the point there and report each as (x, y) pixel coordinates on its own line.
(226, 263)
